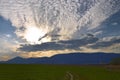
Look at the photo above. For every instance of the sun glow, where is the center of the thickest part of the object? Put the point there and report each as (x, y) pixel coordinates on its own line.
(33, 34)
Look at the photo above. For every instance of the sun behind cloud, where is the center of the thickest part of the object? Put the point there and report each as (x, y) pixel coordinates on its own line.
(33, 34)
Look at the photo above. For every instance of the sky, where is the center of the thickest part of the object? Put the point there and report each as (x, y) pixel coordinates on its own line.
(43, 28)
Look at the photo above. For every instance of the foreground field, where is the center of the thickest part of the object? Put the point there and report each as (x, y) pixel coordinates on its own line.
(58, 72)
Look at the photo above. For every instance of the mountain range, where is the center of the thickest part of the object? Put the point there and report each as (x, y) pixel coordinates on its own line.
(72, 58)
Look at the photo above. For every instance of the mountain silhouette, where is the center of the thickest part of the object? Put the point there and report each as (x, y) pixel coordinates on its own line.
(72, 58)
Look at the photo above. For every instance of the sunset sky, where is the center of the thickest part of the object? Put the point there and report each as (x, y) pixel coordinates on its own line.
(39, 28)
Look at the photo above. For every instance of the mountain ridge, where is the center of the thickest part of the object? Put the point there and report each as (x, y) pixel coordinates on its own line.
(72, 58)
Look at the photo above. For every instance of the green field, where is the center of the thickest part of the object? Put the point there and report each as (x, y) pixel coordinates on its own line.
(57, 72)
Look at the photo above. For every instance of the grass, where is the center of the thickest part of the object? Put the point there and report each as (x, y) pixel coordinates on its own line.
(57, 72)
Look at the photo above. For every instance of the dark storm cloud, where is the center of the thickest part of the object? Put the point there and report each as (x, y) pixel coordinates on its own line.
(60, 45)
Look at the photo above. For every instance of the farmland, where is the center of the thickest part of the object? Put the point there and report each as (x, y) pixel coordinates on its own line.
(58, 72)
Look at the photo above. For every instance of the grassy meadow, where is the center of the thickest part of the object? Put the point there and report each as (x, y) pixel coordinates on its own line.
(58, 72)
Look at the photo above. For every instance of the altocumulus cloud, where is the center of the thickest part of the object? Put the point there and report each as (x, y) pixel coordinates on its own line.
(49, 15)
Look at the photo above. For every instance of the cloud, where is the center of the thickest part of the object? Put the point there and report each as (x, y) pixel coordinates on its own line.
(86, 44)
(5, 57)
(45, 53)
(60, 45)
(109, 27)
(100, 12)
(70, 17)
(115, 23)
(8, 47)
(58, 26)
(106, 42)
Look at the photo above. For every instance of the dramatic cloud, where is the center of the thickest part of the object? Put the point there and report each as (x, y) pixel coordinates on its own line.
(61, 45)
(37, 28)
(68, 17)
(87, 44)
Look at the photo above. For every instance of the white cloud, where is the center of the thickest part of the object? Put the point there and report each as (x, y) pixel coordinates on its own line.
(53, 14)
(8, 46)
(8, 35)
(114, 23)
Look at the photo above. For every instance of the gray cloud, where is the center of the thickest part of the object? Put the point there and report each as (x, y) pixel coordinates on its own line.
(106, 42)
(60, 45)
(90, 42)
